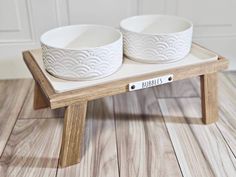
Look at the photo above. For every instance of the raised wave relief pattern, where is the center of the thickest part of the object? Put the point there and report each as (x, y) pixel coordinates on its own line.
(83, 64)
(159, 48)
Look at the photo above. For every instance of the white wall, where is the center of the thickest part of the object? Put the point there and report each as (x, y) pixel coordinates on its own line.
(23, 21)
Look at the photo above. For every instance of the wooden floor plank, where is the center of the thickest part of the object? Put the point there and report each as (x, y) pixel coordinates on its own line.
(225, 76)
(99, 157)
(227, 109)
(144, 148)
(212, 143)
(196, 84)
(227, 106)
(180, 88)
(191, 159)
(29, 112)
(12, 96)
(32, 149)
(231, 75)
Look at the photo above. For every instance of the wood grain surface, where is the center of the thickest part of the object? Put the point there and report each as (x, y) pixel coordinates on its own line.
(209, 97)
(196, 85)
(231, 75)
(144, 147)
(227, 106)
(210, 139)
(28, 111)
(180, 88)
(99, 153)
(191, 159)
(40, 100)
(73, 134)
(37, 74)
(227, 109)
(12, 96)
(32, 149)
(125, 135)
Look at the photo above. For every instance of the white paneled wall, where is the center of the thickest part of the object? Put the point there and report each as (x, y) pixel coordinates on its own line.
(21, 24)
(106, 12)
(23, 21)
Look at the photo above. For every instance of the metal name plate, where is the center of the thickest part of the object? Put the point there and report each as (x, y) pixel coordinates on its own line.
(151, 82)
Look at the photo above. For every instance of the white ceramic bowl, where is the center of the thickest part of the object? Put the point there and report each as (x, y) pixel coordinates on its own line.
(82, 52)
(156, 38)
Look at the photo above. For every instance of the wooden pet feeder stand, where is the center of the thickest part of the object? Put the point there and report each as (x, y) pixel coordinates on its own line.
(75, 101)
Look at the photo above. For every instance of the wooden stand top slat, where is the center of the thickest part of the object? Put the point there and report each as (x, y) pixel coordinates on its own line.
(115, 86)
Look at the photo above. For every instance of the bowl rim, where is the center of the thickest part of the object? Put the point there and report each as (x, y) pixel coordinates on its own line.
(84, 48)
(122, 27)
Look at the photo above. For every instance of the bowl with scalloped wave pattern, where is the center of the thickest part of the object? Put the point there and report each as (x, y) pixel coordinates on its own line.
(156, 38)
(82, 52)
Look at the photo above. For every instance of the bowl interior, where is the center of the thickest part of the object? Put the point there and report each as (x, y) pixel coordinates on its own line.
(80, 36)
(155, 24)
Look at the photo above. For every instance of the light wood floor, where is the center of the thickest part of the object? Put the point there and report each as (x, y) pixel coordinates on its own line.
(152, 132)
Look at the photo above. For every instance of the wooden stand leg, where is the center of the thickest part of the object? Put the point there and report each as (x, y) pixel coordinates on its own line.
(73, 133)
(209, 98)
(40, 100)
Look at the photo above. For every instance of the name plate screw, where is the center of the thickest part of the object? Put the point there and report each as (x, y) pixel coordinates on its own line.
(133, 87)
